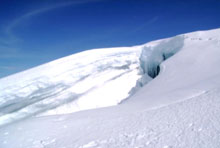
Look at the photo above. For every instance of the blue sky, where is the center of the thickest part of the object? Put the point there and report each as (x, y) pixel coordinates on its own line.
(38, 31)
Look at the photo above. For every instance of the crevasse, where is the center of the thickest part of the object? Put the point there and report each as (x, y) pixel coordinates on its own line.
(152, 56)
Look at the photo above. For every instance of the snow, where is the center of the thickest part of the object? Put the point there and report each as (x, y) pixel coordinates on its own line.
(178, 108)
(191, 123)
(192, 71)
(73, 83)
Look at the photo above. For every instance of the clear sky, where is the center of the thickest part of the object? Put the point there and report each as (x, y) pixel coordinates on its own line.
(33, 32)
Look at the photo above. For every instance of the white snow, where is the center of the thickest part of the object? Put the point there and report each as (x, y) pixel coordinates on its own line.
(90, 79)
(180, 107)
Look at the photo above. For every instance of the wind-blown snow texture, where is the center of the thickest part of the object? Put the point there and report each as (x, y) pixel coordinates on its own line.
(179, 108)
(86, 80)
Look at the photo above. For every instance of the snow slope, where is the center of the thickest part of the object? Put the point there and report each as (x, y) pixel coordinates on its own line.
(70, 84)
(178, 108)
(191, 72)
(193, 123)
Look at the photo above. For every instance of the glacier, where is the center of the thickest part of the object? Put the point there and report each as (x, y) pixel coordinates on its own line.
(167, 93)
(87, 80)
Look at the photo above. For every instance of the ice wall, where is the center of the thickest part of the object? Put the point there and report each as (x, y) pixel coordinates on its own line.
(153, 55)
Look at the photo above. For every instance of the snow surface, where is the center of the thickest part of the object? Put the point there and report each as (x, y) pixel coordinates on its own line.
(86, 80)
(180, 107)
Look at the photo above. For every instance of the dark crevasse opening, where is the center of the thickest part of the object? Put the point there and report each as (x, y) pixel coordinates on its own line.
(155, 72)
(153, 68)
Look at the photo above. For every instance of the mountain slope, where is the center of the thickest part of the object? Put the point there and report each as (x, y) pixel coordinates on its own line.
(74, 83)
(179, 107)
